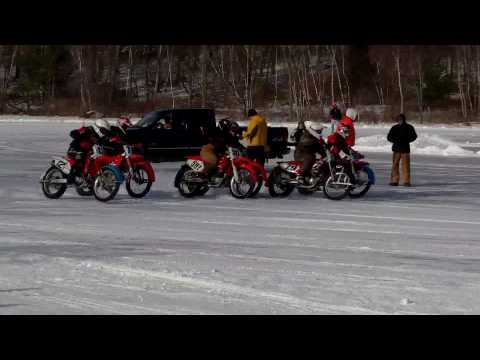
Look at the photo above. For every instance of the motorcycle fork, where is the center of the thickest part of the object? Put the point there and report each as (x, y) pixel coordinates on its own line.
(129, 166)
(234, 168)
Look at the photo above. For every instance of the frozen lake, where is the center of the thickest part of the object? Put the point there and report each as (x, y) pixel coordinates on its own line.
(396, 251)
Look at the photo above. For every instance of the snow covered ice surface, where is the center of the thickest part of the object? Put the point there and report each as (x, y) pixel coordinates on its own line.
(396, 251)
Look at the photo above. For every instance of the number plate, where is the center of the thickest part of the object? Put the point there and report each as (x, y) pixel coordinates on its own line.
(62, 164)
(289, 167)
(196, 165)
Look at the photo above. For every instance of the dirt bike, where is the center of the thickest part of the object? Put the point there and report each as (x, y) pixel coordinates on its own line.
(243, 176)
(328, 174)
(364, 177)
(137, 173)
(72, 171)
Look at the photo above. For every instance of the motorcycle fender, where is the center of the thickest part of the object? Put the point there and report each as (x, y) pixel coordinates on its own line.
(260, 170)
(102, 161)
(253, 167)
(292, 167)
(360, 164)
(62, 164)
(371, 174)
(250, 169)
(118, 173)
(148, 168)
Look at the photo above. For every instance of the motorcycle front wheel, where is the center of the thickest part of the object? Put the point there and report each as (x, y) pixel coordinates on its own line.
(244, 187)
(106, 185)
(258, 186)
(358, 191)
(51, 186)
(337, 187)
(139, 184)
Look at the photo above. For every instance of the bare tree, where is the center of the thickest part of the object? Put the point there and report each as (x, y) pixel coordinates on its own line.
(396, 55)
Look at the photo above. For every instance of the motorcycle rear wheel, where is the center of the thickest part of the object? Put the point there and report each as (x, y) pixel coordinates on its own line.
(276, 188)
(304, 191)
(84, 190)
(187, 189)
(202, 190)
(59, 189)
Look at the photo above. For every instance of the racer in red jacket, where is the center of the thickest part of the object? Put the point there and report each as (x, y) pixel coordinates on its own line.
(350, 117)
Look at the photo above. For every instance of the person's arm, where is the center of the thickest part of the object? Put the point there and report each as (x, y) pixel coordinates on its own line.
(352, 136)
(251, 130)
(74, 134)
(413, 134)
(339, 125)
(390, 136)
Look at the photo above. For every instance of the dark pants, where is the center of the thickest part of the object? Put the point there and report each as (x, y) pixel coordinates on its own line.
(257, 154)
(308, 153)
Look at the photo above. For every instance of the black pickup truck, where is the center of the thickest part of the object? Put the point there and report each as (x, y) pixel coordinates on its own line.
(172, 134)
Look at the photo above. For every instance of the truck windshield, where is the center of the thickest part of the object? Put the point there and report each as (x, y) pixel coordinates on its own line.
(148, 120)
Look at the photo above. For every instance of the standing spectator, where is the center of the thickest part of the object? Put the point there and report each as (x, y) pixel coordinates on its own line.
(335, 116)
(401, 135)
(256, 136)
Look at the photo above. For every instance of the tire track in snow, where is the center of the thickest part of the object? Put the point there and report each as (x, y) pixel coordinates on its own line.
(217, 286)
(325, 214)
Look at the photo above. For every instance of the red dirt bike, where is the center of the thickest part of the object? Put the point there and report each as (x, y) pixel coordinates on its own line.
(337, 177)
(72, 171)
(243, 176)
(77, 170)
(130, 167)
(329, 174)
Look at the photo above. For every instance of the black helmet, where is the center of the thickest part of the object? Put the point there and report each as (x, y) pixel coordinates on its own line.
(251, 112)
(234, 127)
(225, 125)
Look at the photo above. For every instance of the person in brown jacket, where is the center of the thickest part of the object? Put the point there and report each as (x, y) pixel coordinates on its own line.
(401, 135)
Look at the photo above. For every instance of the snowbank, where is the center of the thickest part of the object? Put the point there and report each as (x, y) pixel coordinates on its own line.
(52, 119)
(425, 144)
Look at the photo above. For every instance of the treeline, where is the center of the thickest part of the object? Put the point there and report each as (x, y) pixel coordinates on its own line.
(113, 79)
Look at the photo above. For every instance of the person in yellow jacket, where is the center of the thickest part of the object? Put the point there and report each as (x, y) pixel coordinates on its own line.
(256, 136)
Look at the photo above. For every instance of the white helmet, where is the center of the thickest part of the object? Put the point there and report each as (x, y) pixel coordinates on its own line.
(352, 114)
(314, 129)
(101, 127)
